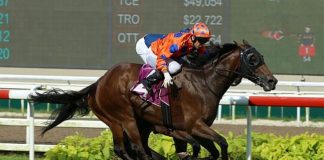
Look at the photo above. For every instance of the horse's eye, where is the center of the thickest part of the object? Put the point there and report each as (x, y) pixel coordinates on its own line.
(253, 60)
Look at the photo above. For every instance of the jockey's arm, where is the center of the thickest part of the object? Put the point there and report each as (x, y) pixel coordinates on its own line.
(161, 62)
(198, 57)
(166, 52)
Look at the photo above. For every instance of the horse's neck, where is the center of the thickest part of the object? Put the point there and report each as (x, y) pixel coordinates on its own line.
(216, 76)
(205, 87)
(221, 76)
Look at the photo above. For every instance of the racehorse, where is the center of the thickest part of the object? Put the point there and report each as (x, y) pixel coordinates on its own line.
(193, 109)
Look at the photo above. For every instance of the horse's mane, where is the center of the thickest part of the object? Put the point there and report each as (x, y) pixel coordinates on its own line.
(214, 52)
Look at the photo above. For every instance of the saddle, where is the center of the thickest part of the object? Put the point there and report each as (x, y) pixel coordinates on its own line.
(160, 93)
(160, 97)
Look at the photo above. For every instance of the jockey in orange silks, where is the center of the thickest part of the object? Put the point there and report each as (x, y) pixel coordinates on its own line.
(166, 52)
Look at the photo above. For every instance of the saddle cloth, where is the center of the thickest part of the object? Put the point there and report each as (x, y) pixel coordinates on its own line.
(160, 93)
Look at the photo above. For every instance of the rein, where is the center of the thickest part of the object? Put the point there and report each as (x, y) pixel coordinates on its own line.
(213, 92)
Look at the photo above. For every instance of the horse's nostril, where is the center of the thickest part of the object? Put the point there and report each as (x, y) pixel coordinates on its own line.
(272, 82)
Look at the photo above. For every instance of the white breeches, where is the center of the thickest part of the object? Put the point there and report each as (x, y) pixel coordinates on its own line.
(141, 49)
(150, 58)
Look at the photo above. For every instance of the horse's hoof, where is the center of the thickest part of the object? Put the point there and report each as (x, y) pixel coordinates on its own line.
(184, 156)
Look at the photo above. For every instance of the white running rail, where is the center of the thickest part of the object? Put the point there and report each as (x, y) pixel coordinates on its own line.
(21, 90)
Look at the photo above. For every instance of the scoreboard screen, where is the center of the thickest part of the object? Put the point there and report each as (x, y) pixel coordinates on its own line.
(96, 34)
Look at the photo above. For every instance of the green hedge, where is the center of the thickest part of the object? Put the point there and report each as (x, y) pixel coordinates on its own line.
(265, 147)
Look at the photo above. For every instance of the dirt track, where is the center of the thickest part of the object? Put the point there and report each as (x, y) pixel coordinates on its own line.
(18, 134)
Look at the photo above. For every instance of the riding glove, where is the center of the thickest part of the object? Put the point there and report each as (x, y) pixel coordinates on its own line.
(167, 79)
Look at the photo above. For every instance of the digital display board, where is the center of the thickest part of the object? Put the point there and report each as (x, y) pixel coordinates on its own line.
(289, 33)
(96, 34)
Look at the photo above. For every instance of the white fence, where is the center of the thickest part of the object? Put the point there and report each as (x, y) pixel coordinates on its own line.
(20, 90)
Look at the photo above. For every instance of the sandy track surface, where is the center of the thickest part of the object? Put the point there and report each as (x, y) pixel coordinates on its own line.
(18, 134)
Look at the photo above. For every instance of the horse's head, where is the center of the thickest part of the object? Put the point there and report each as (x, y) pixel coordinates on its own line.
(253, 67)
(236, 62)
(243, 61)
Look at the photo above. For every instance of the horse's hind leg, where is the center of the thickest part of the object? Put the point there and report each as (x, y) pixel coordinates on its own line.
(118, 140)
(112, 99)
(117, 130)
(119, 146)
(145, 131)
(130, 128)
(132, 131)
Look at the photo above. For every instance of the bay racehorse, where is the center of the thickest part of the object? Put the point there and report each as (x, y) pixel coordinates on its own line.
(193, 109)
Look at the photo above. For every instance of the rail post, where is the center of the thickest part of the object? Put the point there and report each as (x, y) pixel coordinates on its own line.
(248, 134)
(307, 115)
(298, 116)
(30, 129)
(219, 113)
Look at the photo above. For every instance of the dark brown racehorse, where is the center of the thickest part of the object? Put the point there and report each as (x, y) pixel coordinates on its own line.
(193, 110)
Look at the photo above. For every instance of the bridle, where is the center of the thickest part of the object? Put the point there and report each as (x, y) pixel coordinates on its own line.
(250, 59)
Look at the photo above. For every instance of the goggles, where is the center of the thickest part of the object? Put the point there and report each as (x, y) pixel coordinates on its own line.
(202, 40)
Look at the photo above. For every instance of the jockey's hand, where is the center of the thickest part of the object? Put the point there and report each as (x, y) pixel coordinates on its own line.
(167, 80)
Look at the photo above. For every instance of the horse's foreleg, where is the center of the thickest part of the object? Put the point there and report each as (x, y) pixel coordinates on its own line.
(209, 145)
(181, 149)
(181, 138)
(207, 135)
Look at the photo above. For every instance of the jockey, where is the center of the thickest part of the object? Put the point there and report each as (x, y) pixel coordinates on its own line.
(166, 52)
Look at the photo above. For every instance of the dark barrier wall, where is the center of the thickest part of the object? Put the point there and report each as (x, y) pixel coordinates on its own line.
(96, 34)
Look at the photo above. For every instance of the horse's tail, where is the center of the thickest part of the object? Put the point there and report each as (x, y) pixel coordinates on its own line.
(71, 103)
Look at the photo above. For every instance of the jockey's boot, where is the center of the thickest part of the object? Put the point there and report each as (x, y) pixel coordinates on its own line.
(152, 79)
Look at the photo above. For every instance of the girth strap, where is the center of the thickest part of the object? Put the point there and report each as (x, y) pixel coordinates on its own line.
(166, 116)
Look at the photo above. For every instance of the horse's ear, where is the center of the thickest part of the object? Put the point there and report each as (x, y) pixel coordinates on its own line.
(245, 42)
(235, 42)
